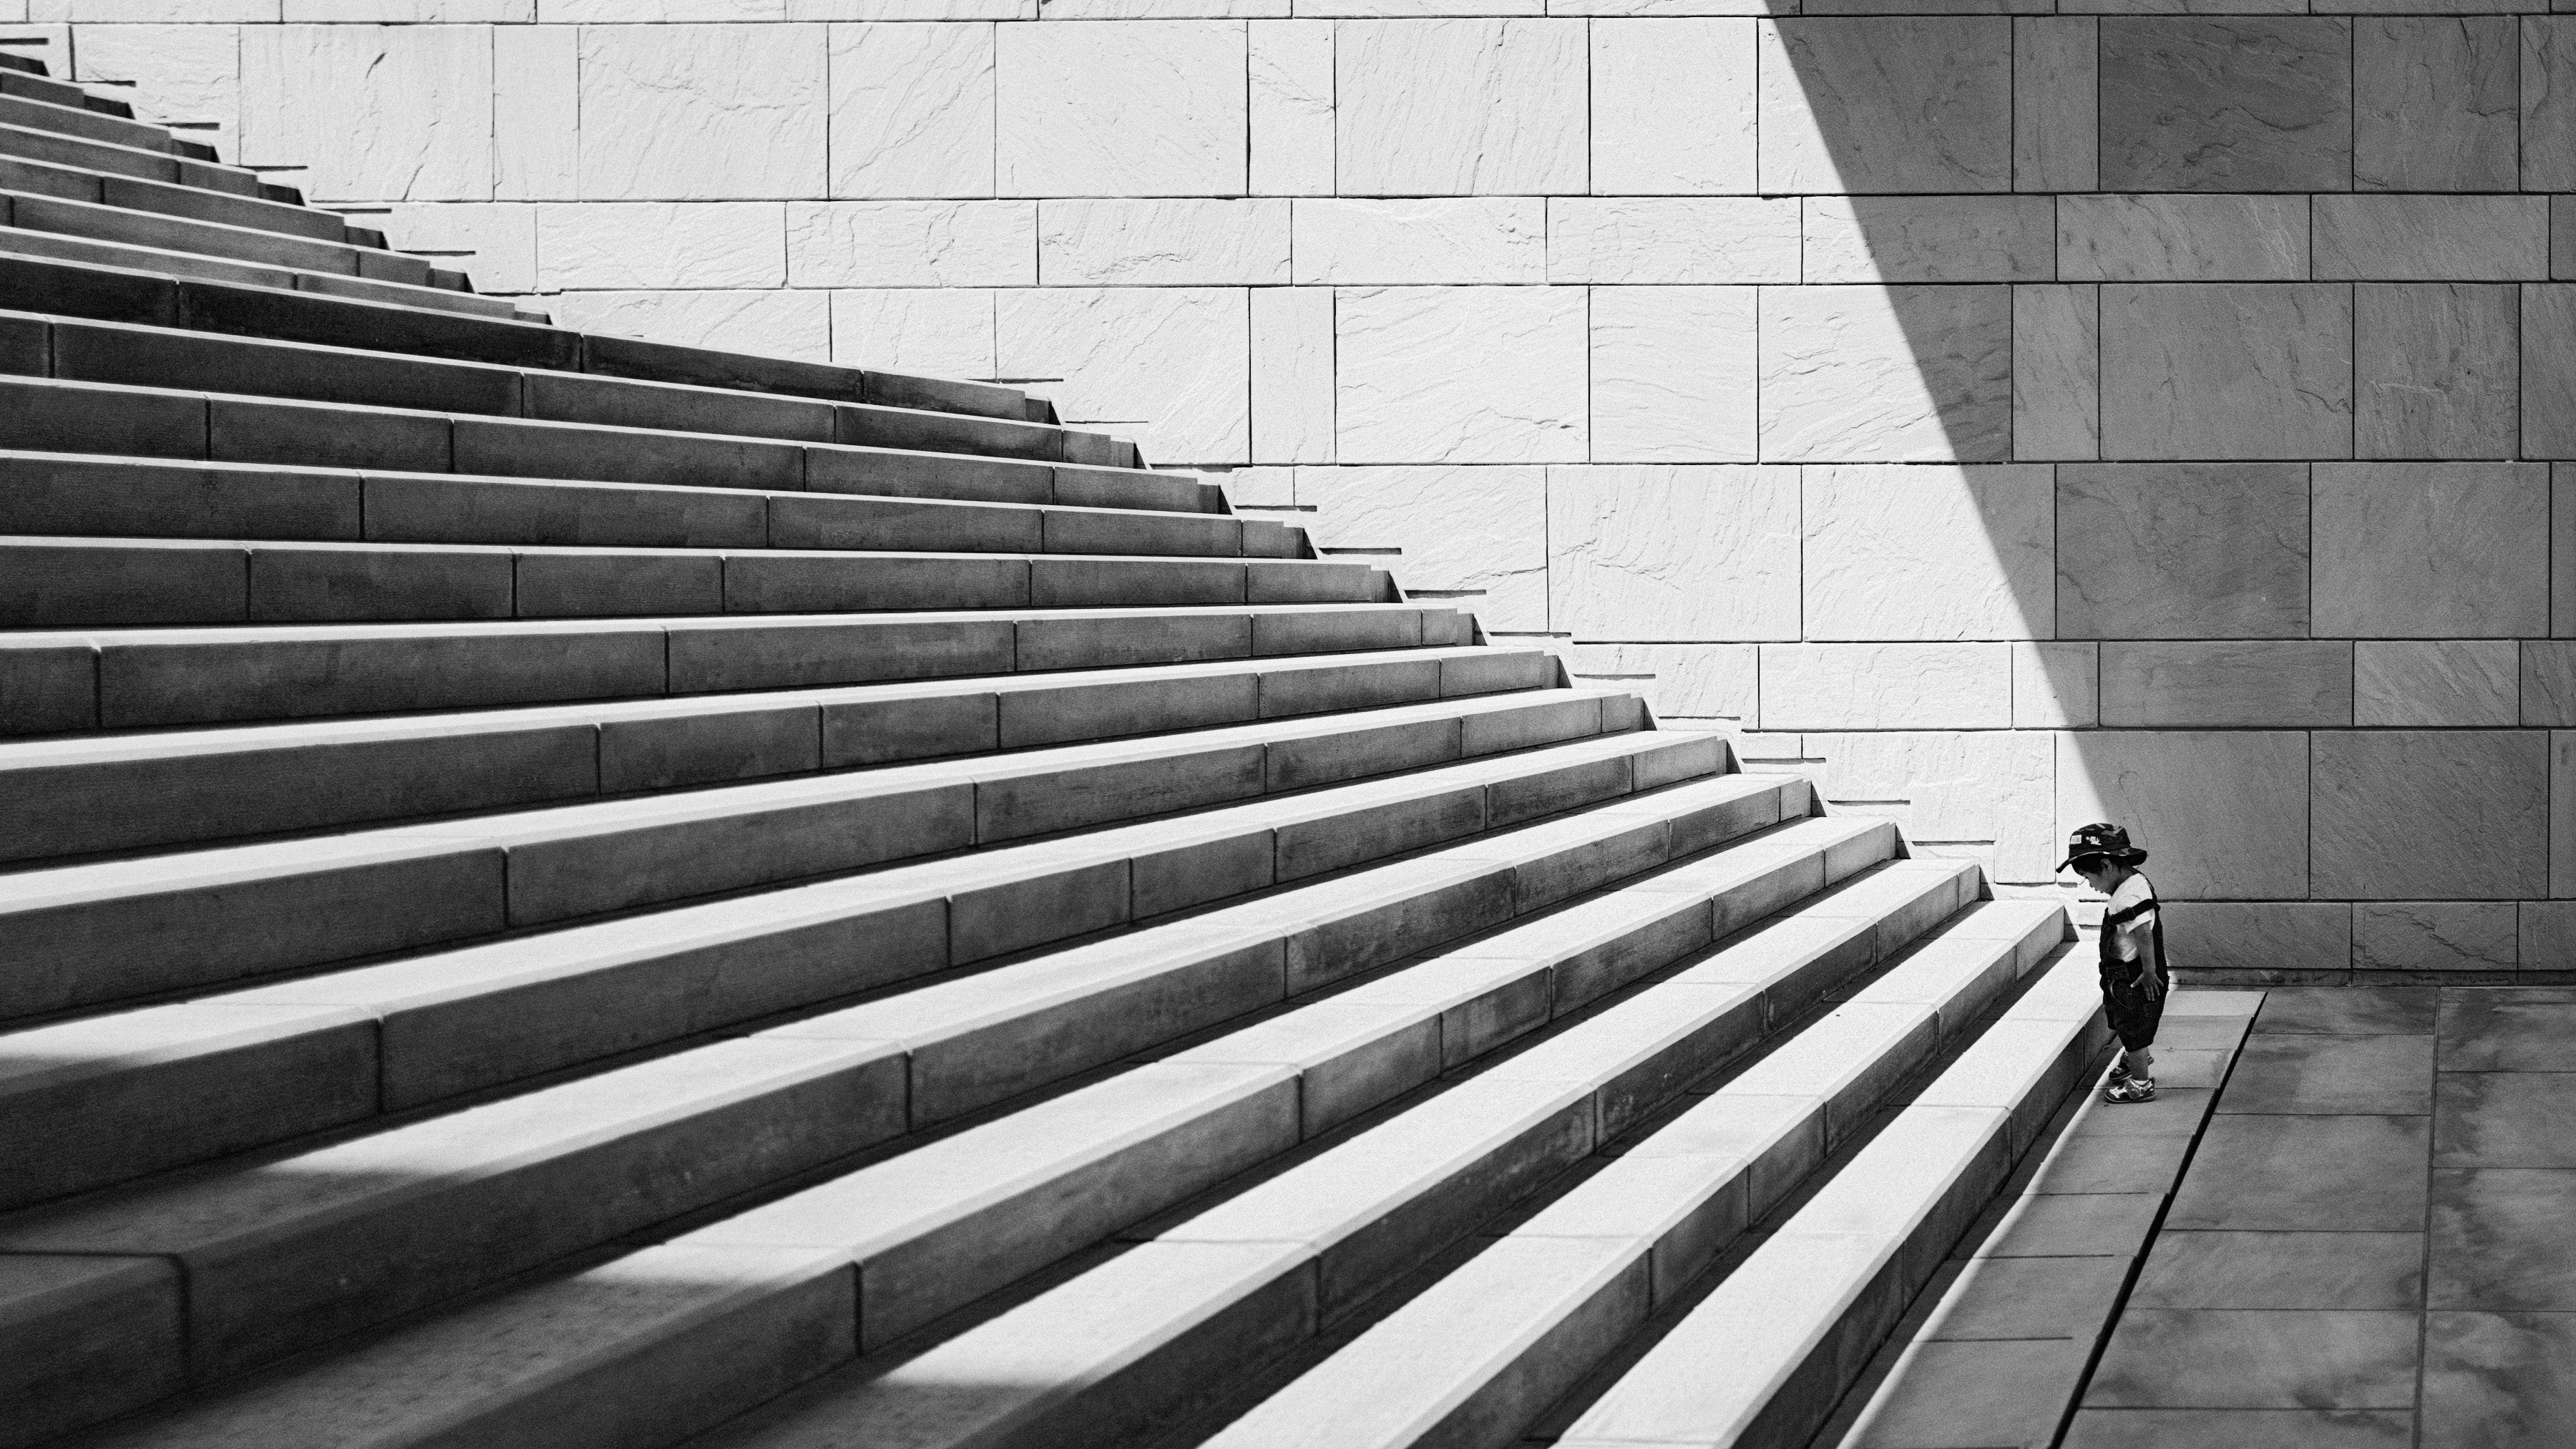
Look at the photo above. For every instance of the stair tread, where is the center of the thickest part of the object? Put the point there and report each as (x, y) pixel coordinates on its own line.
(37, 211)
(38, 143)
(53, 178)
(269, 276)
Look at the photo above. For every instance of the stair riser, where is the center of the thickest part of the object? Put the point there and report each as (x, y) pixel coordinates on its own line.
(135, 194)
(52, 687)
(158, 229)
(194, 937)
(38, 144)
(87, 124)
(78, 809)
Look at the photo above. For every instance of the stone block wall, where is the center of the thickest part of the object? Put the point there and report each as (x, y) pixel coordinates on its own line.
(2016, 418)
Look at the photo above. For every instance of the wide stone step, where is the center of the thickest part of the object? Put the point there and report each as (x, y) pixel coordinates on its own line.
(1480, 1354)
(927, 1230)
(115, 1097)
(81, 935)
(142, 678)
(37, 87)
(32, 246)
(133, 193)
(1238, 1283)
(26, 211)
(85, 795)
(881, 451)
(81, 495)
(78, 350)
(81, 121)
(77, 583)
(40, 143)
(1797, 1321)
(115, 293)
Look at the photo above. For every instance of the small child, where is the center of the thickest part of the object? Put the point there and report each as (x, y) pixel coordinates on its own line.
(2134, 968)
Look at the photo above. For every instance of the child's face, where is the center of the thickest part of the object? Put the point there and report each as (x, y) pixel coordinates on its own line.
(2095, 872)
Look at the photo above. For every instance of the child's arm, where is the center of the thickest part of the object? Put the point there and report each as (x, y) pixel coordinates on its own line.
(2134, 939)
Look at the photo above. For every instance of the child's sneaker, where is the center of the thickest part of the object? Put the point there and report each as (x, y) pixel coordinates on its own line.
(2119, 1071)
(2130, 1089)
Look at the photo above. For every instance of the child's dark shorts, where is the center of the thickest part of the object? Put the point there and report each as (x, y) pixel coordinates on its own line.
(2134, 1014)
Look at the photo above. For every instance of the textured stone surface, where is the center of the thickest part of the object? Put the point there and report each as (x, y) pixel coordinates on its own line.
(773, 324)
(1439, 240)
(2057, 372)
(2225, 814)
(943, 332)
(2435, 682)
(1291, 63)
(1886, 374)
(2434, 98)
(2549, 371)
(536, 111)
(2549, 104)
(1677, 681)
(2434, 936)
(703, 111)
(912, 110)
(1886, 686)
(1193, 243)
(2548, 682)
(1986, 792)
(1928, 239)
(2438, 238)
(1928, 553)
(1481, 529)
(661, 244)
(1460, 374)
(2265, 936)
(1121, 108)
(1672, 374)
(913, 243)
(2056, 686)
(496, 242)
(1662, 553)
(2233, 103)
(1292, 374)
(1466, 107)
(182, 73)
(2431, 550)
(2436, 369)
(1165, 365)
(378, 112)
(1673, 239)
(1672, 107)
(1918, 104)
(2430, 814)
(2226, 370)
(2233, 682)
(2182, 238)
(2182, 551)
(2057, 103)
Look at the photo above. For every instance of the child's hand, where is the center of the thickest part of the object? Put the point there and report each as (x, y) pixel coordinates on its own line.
(2148, 983)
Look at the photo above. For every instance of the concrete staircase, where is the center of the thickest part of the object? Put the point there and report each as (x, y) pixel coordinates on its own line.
(564, 891)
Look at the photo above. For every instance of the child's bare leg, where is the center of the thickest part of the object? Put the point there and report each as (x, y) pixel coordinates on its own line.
(2141, 1061)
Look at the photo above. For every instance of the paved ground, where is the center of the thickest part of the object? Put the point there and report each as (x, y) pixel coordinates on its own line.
(2374, 1245)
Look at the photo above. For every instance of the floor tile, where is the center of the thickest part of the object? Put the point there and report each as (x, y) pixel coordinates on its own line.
(2337, 1074)
(2333, 1174)
(2175, 1112)
(2199, 1033)
(2212, 1001)
(2347, 1010)
(2499, 1380)
(2490, 1032)
(2030, 1298)
(2197, 1067)
(2196, 1359)
(2283, 1270)
(2242, 1429)
(2504, 1119)
(2073, 1225)
(2090, 1164)
(2501, 1239)
(1986, 1393)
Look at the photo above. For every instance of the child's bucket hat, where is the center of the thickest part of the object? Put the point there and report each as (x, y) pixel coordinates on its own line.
(2104, 839)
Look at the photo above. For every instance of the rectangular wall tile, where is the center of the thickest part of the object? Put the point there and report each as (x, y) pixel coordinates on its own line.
(1452, 240)
(793, 324)
(180, 73)
(912, 110)
(2057, 372)
(1673, 553)
(1292, 107)
(1886, 374)
(2178, 93)
(1168, 366)
(1122, 108)
(1929, 239)
(1672, 107)
(494, 242)
(2436, 371)
(2057, 686)
(2056, 103)
(2549, 370)
(937, 331)
(2226, 370)
(2258, 936)
(638, 244)
(1914, 103)
(2182, 551)
(2182, 238)
(1910, 552)
(2432, 238)
(912, 243)
(2549, 103)
(2562, 238)
(2433, 100)
(2431, 550)
(378, 112)
(1292, 374)
(703, 112)
(1465, 107)
(1118, 242)
(2272, 683)
(1460, 374)
(1480, 531)
(2436, 682)
(2562, 551)
(2223, 814)
(1673, 240)
(2429, 814)
(1886, 686)
(2562, 813)
(1985, 790)
(2548, 682)
(1672, 374)
(2435, 936)
(1677, 681)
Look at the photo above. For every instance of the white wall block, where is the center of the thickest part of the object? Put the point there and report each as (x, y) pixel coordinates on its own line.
(912, 9)
(1677, 681)
(645, 12)
(1912, 374)
(1292, 107)
(2057, 372)
(1930, 239)
(640, 244)
(1670, 554)
(703, 111)
(379, 112)
(912, 110)
(1459, 374)
(1500, 239)
(1678, 240)
(942, 332)
(1162, 243)
(2056, 686)
(1480, 531)
(1931, 553)
(1952, 789)
(1673, 374)
(1672, 107)
(189, 73)
(536, 112)
(773, 324)
(1460, 107)
(495, 243)
(912, 243)
(1920, 104)
(1886, 686)
(1168, 366)
(1292, 374)
(1122, 108)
